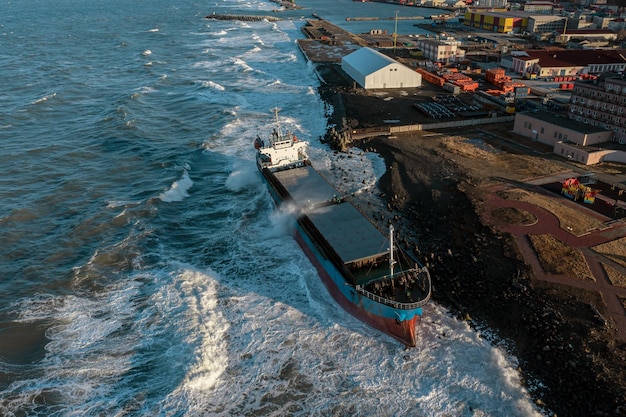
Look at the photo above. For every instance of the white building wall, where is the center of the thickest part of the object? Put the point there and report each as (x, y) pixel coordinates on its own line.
(353, 73)
(393, 76)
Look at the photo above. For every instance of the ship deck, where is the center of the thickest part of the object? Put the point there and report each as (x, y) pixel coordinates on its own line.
(350, 234)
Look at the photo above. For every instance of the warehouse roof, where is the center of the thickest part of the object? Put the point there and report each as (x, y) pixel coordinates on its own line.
(367, 60)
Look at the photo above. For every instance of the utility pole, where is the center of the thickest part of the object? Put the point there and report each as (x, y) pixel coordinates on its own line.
(395, 33)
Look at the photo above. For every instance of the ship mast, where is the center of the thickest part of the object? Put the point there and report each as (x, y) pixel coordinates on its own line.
(279, 133)
(392, 261)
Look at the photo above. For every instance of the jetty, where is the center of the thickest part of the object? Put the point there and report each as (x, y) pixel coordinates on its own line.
(242, 17)
(355, 19)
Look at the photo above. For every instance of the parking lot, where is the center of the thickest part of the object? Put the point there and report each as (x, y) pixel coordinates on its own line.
(446, 106)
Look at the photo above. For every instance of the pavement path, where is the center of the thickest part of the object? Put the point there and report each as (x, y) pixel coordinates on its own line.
(548, 223)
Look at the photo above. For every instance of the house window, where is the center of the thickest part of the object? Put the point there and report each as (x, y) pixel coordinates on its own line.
(542, 130)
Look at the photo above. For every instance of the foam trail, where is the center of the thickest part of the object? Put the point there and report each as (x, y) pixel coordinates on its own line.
(207, 331)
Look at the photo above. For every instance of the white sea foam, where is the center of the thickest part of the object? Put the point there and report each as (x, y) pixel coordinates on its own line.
(244, 175)
(121, 203)
(257, 39)
(241, 64)
(146, 90)
(214, 85)
(178, 189)
(206, 332)
(96, 342)
(45, 98)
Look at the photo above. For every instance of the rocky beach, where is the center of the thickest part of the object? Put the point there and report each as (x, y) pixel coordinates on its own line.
(435, 189)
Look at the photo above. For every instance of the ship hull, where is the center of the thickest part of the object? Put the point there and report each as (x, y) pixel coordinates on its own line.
(404, 331)
(400, 324)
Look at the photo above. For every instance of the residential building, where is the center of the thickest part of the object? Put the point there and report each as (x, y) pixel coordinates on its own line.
(538, 7)
(489, 4)
(617, 24)
(444, 51)
(601, 103)
(548, 63)
(564, 36)
(602, 21)
(538, 24)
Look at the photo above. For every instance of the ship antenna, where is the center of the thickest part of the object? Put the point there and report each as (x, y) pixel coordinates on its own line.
(392, 261)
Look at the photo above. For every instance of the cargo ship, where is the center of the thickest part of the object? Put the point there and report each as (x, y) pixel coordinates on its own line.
(361, 267)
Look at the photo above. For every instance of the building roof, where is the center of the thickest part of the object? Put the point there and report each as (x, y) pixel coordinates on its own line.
(565, 122)
(367, 60)
(575, 57)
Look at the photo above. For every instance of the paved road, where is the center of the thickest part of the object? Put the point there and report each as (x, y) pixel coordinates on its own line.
(548, 223)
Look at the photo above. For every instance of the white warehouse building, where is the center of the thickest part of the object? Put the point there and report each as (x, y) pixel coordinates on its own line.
(371, 69)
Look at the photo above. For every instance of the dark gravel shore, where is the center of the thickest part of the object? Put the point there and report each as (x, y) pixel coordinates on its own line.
(569, 361)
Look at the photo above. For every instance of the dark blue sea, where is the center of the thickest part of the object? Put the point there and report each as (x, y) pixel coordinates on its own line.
(144, 270)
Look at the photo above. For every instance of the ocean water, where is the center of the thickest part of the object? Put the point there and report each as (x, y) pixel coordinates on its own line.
(143, 268)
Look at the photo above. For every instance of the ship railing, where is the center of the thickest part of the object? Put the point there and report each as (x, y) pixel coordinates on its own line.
(396, 304)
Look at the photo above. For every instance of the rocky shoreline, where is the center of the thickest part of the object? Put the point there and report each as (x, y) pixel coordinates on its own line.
(571, 365)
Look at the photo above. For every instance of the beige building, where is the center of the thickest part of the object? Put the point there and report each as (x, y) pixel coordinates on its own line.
(589, 155)
(549, 128)
(538, 7)
(572, 140)
(441, 50)
(568, 62)
(585, 34)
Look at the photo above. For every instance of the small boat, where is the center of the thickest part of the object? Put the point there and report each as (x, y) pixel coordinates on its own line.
(362, 269)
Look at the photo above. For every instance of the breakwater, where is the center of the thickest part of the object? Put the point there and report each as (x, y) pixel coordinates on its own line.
(242, 17)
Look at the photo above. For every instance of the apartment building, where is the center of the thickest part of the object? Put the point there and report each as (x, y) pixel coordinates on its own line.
(568, 62)
(601, 103)
(538, 7)
(444, 51)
